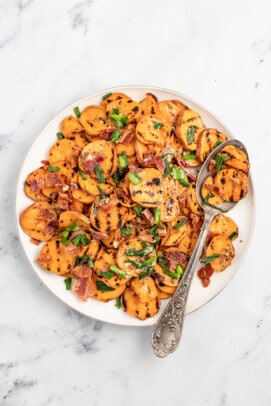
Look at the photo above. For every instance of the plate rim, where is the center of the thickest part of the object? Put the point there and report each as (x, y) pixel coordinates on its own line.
(82, 100)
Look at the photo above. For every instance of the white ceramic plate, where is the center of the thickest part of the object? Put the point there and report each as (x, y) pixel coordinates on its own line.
(243, 214)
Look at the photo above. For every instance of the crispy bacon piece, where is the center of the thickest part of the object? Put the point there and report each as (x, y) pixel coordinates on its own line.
(182, 198)
(34, 241)
(107, 133)
(126, 137)
(148, 216)
(175, 258)
(145, 235)
(150, 157)
(45, 162)
(109, 205)
(212, 166)
(97, 234)
(51, 179)
(133, 167)
(167, 150)
(93, 160)
(83, 285)
(160, 164)
(51, 227)
(205, 274)
(196, 220)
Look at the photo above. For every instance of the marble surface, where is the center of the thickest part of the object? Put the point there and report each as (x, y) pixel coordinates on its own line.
(54, 52)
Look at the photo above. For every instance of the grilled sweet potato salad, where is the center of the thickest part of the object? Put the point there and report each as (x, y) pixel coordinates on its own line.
(115, 202)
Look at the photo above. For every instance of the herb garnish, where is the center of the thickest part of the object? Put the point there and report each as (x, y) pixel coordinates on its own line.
(83, 175)
(106, 96)
(134, 178)
(102, 287)
(180, 223)
(157, 125)
(115, 136)
(123, 161)
(219, 161)
(53, 169)
(120, 120)
(77, 111)
(190, 135)
(60, 136)
(179, 174)
(207, 260)
(99, 173)
(191, 155)
(68, 283)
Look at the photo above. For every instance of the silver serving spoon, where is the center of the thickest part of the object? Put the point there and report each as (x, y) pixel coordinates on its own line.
(167, 331)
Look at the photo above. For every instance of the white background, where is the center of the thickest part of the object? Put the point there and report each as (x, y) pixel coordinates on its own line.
(54, 52)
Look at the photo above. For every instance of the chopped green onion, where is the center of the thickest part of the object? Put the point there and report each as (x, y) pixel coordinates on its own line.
(179, 270)
(167, 169)
(144, 244)
(90, 263)
(68, 283)
(190, 136)
(106, 96)
(123, 161)
(157, 216)
(124, 232)
(191, 155)
(107, 274)
(65, 234)
(140, 253)
(219, 161)
(180, 223)
(148, 261)
(161, 261)
(134, 178)
(157, 125)
(138, 210)
(80, 239)
(115, 136)
(207, 198)
(113, 268)
(116, 178)
(99, 173)
(234, 234)
(65, 241)
(153, 230)
(102, 287)
(118, 302)
(83, 175)
(207, 260)
(130, 261)
(179, 174)
(53, 169)
(102, 193)
(77, 111)
(60, 136)
(72, 227)
(173, 275)
(118, 119)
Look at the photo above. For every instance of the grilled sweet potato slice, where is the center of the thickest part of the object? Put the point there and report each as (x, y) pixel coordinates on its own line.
(149, 105)
(53, 259)
(104, 259)
(39, 221)
(107, 99)
(170, 110)
(64, 150)
(94, 120)
(108, 216)
(188, 242)
(69, 217)
(224, 225)
(32, 185)
(90, 184)
(152, 129)
(189, 125)
(78, 193)
(124, 257)
(192, 203)
(207, 140)
(209, 192)
(169, 209)
(125, 106)
(70, 126)
(147, 154)
(135, 307)
(238, 159)
(222, 246)
(149, 192)
(98, 153)
(105, 296)
(168, 290)
(179, 228)
(232, 184)
(144, 288)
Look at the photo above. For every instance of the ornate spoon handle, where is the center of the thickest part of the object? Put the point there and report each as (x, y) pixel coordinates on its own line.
(167, 331)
